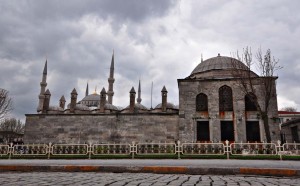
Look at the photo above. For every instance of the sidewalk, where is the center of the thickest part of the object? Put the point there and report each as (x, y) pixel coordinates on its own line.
(198, 167)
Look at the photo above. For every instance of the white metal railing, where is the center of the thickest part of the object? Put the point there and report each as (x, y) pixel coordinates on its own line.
(186, 149)
(253, 149)
(155, 148)
(203, 149)
(291, 149)
(111, 149)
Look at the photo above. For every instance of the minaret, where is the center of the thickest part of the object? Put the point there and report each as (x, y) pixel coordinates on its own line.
(111, 80)
(132, 100)
(43, 87)
(164, 94)
(139, 99)
(87, 89)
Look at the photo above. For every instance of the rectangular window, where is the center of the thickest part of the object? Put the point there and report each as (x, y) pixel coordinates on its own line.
(227, 131)
(203, 131)
(252, 131)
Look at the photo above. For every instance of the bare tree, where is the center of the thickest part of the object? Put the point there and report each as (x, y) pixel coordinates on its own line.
(11, 129)
(5, 103)
(262, 86)
(289, 109)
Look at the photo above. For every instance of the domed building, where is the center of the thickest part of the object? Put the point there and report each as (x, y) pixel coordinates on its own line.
(212, 107)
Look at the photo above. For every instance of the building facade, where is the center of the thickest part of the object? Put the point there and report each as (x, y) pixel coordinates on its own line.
(212, 107)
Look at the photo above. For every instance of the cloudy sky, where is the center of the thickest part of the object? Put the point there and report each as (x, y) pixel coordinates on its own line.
(155, 41)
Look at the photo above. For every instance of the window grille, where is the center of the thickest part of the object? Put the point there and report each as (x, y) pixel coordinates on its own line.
(225, 99)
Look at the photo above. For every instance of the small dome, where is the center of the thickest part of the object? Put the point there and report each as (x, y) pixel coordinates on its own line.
(138, 106)
(109, 106)
(169, 106)
(218, 67)
(79, 107)
(55, 108)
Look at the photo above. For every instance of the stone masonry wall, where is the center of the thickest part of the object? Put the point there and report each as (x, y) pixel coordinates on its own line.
(188, 117)
(97, 128)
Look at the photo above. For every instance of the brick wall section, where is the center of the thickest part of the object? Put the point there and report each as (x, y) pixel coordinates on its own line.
(94, 128)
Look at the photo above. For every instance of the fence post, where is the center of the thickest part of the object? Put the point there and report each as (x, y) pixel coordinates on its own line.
(227, 148)
(279, 149)
(132, 150)
(90, 150)
(10, 150)
(49, 150)
(178, 149)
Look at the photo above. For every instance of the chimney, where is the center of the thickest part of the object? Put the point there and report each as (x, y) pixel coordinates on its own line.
(46, 103)
(132, 100)
(164, 96)
(102, 100)
(73, 100)
(62, 102)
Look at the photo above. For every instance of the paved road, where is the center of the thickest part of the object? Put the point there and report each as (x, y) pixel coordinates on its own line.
(216, 163)
(139, 179)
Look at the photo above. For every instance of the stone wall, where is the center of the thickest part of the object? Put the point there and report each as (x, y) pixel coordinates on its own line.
(97, 128)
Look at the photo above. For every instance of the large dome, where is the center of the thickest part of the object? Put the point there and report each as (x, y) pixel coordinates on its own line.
(218, 67)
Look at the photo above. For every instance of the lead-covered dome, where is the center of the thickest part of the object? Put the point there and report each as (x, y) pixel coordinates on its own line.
(218, 67)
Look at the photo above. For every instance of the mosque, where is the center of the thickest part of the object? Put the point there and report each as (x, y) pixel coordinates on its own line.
(212, 107)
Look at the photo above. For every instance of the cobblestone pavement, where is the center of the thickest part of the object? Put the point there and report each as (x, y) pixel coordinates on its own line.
(130, 179)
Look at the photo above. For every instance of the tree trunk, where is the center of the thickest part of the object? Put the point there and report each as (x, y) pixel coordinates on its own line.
(266, 126)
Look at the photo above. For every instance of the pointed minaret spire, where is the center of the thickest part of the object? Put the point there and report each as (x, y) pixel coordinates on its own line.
(87, 89)
(111, 80)
(139, 99)
(43, 85)
(201, 57)
(45, 68)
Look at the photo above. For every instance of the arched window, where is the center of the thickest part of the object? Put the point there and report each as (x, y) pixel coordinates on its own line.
(201, 102)
(250, 99)
(225, 99)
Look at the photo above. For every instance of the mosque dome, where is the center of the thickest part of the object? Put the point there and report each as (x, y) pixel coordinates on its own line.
(91, 100)
(218, 67)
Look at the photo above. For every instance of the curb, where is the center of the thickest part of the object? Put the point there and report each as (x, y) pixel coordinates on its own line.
(152, 169)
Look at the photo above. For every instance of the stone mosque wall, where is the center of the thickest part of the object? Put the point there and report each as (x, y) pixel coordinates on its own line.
(101, 128)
